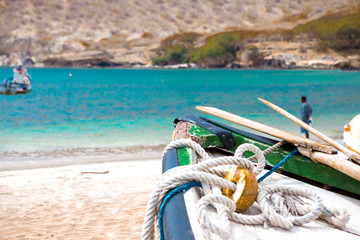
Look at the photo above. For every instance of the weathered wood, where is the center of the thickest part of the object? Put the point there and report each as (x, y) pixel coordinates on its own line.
(295, 139)
(352, 155)
(103, 172)
(336, 161)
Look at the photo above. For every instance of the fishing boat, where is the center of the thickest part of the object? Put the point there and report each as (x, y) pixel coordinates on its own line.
(305, 189)
(19, 83)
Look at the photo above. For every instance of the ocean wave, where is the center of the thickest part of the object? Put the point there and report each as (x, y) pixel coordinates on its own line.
(86, 151)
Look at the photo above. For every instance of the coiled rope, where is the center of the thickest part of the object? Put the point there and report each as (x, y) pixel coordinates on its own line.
(281, 206)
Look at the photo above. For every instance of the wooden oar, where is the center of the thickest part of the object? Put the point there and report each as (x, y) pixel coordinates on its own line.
(347, 152)
(302, 141)
(334, 160)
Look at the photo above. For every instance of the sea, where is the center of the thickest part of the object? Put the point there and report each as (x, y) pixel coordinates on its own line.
(101, 112)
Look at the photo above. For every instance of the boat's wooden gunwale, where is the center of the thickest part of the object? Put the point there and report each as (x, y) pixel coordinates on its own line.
(313, 230)
(295, 139)
(299, 165)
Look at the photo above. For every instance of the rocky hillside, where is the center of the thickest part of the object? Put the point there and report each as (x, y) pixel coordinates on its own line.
(136, 33)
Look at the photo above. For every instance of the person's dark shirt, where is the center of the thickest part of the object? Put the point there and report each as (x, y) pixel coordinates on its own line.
(306, 111)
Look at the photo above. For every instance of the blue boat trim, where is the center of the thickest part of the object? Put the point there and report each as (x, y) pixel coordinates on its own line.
(175, 220)
(169, 195)
(170, 160)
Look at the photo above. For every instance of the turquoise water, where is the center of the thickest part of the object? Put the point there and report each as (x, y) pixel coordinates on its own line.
(123, 110)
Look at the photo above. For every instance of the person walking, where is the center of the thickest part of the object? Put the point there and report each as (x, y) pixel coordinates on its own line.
(306, 112)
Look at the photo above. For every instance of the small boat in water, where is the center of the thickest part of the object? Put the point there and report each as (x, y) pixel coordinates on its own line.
(19, 83)
(298, 196)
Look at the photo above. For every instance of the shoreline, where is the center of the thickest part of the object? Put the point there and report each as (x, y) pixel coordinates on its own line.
(180, 66)
(24, 164)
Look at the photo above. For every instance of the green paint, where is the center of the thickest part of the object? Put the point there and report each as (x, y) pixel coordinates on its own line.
(298, 164)
(206, 138)
(184, 156)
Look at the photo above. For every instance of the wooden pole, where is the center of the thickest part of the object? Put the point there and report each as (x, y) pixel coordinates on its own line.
(298, 140)
(347, 152)
(335, 161)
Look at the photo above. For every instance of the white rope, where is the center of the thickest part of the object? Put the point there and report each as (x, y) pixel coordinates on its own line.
(280, 206)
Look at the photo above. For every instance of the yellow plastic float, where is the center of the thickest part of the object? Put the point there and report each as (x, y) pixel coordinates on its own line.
(352, 134)
(246, 189)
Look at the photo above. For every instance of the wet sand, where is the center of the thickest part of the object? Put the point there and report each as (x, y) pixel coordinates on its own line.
(88, 201)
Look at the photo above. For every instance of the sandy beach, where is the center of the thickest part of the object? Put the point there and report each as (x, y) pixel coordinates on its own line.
(87, 201)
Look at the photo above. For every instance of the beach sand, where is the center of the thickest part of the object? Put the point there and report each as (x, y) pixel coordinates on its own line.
(88, 201)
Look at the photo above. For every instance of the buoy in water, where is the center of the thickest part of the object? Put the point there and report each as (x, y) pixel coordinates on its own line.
(246, 189)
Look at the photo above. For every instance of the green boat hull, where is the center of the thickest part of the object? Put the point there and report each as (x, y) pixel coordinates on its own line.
(298, 165)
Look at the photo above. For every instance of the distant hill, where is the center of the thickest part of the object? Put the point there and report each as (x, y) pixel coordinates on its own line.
(135, 33)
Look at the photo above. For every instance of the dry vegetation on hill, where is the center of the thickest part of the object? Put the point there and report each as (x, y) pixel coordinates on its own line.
(125, 33)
